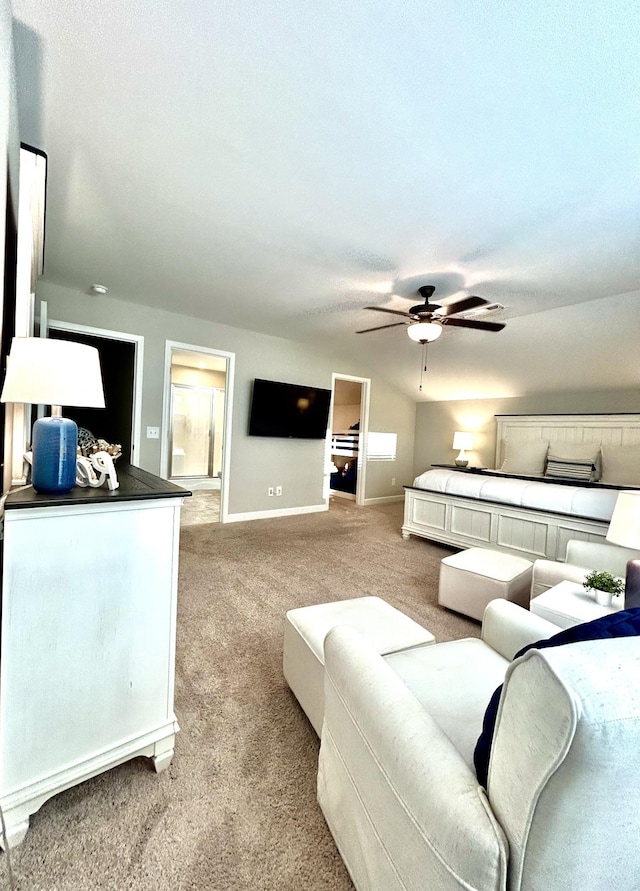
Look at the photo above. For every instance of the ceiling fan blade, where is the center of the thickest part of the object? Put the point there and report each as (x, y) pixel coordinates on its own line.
(394, 312)
(380, 327)
(461, 305)
(473, 323)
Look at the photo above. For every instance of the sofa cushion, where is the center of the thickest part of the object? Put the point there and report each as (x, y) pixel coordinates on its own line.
(455, 696)
(625, 623)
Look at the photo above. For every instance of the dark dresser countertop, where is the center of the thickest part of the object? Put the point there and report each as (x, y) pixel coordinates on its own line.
(135, 484)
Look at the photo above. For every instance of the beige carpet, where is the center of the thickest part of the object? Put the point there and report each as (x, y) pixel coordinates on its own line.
(236, 809)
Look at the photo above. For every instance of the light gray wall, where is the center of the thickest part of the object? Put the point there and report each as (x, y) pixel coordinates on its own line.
(9, 140)
(5, 102)
(256, 462)
(392, 414)
(9, 180)
(436, 422)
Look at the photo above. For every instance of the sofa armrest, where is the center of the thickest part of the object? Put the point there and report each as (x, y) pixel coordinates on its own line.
(600, 555)
(547, 573)
(404, 807)
(507, 627)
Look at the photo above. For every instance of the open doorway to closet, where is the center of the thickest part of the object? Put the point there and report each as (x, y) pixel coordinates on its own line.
(349, 426)
(195, 449)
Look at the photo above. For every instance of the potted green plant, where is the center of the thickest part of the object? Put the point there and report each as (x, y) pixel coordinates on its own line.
(604, 586)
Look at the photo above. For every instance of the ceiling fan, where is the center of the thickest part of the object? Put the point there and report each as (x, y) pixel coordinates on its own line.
(426, 320)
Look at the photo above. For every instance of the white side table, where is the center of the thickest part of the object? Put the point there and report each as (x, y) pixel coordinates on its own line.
(569, 603)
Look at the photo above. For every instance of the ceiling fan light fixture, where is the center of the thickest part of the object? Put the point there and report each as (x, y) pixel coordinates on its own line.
(424, 332)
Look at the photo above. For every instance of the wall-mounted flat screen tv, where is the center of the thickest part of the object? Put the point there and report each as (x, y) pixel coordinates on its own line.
(289, 411)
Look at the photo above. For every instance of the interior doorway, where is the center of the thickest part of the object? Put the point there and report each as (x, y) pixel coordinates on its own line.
(121, 363)
(348, 441)
(195, 447)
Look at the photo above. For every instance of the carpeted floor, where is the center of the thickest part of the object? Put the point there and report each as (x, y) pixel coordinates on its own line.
(236, 809)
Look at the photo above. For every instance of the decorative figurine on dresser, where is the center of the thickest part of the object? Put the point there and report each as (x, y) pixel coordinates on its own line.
(89, 591)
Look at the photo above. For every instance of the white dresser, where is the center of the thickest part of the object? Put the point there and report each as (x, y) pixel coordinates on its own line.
(89, 591)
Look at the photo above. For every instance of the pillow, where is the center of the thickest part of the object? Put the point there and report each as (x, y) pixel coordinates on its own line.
(582, 450)
(570, 468)
(621, 465)
(625, 623)
(578, 451)
(524, 457)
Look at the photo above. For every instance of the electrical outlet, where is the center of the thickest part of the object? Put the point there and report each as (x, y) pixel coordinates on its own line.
(278, 490)
(393, 480)
(153, 433)
(270, 491)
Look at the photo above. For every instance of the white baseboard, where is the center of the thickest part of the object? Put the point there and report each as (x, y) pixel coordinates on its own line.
(281, 512)
(385, 499)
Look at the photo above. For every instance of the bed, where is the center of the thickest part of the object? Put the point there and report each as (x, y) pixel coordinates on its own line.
(519, 509)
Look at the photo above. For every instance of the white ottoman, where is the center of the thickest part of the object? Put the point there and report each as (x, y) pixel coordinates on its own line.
(471, 579)
(386, 629)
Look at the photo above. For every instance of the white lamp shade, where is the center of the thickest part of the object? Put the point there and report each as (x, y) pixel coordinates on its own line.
(424, 331)
(624, 528)
(462, 440)
(53, 372)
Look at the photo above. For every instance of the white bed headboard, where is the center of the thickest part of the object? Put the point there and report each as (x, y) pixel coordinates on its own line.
(622, 429)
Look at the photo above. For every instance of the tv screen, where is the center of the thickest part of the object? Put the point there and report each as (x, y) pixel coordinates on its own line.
(288, 410)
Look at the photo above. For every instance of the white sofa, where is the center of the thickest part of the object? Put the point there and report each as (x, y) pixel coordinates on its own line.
(581, 558)
(396, 780)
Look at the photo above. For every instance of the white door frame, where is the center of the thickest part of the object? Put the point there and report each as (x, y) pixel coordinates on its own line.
(138, 362)
(170, 346)
(361, 463)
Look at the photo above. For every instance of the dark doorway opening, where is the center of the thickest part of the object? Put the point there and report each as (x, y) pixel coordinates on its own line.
(117, 360)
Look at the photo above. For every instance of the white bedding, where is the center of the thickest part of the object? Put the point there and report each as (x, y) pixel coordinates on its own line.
(588, 502)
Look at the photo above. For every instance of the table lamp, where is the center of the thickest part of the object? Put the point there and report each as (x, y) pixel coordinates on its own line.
(462, 441)
(56, 373)
(624, 530)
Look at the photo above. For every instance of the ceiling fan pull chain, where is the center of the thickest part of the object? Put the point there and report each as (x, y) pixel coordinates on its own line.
(423, 364)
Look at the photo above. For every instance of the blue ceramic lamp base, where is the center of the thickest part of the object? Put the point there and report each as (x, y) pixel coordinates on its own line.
(54, 446)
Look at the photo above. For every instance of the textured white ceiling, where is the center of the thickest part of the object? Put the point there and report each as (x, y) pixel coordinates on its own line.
(278, 166)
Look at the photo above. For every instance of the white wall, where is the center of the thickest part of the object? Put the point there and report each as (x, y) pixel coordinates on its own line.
(256, 462)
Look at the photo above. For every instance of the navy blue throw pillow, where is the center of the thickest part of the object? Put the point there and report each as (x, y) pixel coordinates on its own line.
(625, 623)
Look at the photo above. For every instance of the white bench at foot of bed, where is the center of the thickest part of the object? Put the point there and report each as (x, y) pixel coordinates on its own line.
(467, 522)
